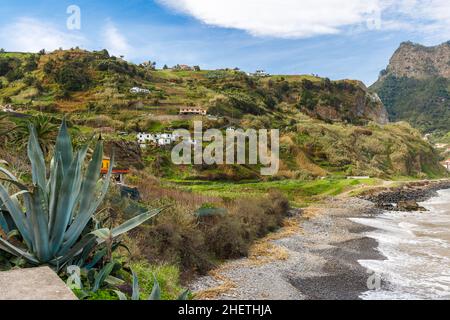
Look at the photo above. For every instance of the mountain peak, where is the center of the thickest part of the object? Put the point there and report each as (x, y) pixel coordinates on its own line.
(412, 60)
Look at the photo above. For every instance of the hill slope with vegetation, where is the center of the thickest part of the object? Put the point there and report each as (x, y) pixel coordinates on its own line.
(328, 128)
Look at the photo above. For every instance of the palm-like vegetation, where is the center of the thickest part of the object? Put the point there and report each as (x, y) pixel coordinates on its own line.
(45, 131)
(53, 215)
(5, 125)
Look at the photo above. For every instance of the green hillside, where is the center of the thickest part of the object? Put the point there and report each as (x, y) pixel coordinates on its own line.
(328, 128)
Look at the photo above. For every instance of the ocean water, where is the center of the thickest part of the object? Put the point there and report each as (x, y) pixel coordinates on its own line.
(417, 250)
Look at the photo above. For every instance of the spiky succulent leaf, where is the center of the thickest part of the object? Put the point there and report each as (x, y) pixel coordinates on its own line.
(36, 157)
(63, 146)
(69, 190)
(13, 207)
(136, 290)
(156, 291)
(101, 276)
(135, 222)
(39, 220)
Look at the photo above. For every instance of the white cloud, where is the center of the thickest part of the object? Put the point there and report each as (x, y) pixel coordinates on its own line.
(32, 35)
(278, 18)
(306, 18)
(115, 41)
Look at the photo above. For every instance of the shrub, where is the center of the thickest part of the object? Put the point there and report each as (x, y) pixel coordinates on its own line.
(225, 237)
(175, 238)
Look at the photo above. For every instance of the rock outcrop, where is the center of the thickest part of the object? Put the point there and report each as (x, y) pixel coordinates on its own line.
(419, 62)
(415, 86)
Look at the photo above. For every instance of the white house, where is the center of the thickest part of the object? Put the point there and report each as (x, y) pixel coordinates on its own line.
(7, 108)
(259, 73)
(161, 139)
(139, 90)
(192, 111)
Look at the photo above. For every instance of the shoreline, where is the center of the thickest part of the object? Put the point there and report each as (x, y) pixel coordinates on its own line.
(320, 258)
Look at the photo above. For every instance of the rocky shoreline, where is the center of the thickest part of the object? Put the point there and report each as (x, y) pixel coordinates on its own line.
(321, 256)
(405, 197)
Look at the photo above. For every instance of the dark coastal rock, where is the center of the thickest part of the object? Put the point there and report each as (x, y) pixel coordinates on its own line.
(409, 205)
(385, 206)
(406, 197)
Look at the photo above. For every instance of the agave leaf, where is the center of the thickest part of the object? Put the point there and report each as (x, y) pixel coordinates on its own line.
(27, 199)
(8, 247)
(87, 195)
(113, 281)
(36, 157)
(77, 249)
(3, 223)
(83, 218)
(87, 250)
(102, 234)
(64, 147)
(101, 276)
(121, 295)
(13, 233)
(56, 179)
(135, 285)
(8, 174)
(134, 222)
(39, 220)
(184, 295)
(156, 291)
(12, 206)
(68, 194)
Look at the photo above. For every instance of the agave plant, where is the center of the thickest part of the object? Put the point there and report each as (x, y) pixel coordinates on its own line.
(154, 295)
(52, 216)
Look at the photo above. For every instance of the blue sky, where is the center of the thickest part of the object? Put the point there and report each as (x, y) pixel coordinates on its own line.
(334, 38)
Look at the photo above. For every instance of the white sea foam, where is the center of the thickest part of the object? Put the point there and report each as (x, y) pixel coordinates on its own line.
(417, 250)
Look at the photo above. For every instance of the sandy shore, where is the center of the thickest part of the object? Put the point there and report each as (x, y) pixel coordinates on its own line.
(315, 257)
(319, 260)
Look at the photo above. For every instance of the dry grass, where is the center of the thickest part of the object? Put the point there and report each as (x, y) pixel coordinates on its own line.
(212, 293)
(311, 212)
(264, 252)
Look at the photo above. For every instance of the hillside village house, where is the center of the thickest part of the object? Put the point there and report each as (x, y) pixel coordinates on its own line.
(139, 90)
(159, 139)
(446, 164)
(7, 108)
(193, 111)
(258, 73)
(117, 173)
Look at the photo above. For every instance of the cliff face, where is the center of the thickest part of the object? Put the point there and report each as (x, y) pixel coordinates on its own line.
(420, 62)
(342, 101)
(415, 87)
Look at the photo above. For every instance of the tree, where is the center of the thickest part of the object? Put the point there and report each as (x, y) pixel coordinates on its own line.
(151, 65)
(7, 100)
(73, 77)
(165, 67)
(6, 126)
(45, 131)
